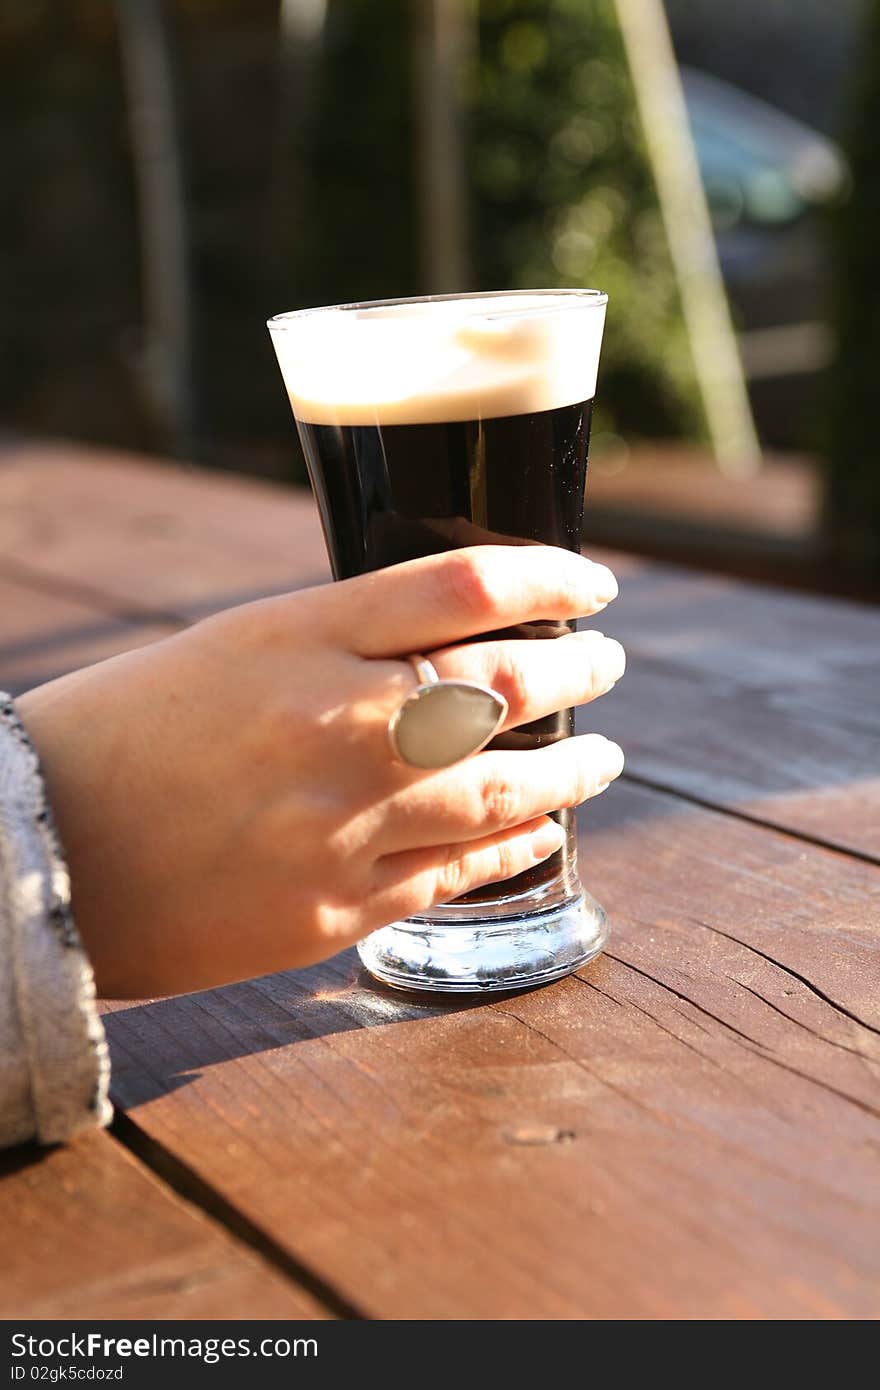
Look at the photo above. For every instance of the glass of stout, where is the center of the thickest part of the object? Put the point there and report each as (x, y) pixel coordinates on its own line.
(429, 424)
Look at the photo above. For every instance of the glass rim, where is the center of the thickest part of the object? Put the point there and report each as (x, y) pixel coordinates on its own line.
(597, 299)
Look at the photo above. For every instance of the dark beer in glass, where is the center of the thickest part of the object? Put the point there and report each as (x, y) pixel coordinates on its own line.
(428, 425)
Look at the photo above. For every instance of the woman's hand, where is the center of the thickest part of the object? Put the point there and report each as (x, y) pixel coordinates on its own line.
(227, 799)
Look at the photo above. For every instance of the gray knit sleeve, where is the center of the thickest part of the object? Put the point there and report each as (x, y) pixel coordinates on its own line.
(54, 1067)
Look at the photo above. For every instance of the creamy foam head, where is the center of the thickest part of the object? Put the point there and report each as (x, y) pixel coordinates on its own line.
(427, 361)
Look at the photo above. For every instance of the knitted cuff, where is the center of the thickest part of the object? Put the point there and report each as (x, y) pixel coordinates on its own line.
(55, 1069)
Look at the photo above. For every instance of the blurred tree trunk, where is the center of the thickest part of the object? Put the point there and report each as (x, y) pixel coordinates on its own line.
(443, 37)
(691, 239)
(301, 26)
(167, 351)
(853, 496)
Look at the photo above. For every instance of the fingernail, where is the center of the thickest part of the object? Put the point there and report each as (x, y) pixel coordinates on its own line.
(612, 762)
(547, 839)
(604, 584)
(607, 661)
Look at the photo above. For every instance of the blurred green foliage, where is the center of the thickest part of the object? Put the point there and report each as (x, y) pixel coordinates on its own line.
(300, 176)
(853, 494)
(563, 195)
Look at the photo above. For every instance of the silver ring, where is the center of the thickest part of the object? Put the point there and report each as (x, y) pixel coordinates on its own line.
(441, 722)
(426, 671)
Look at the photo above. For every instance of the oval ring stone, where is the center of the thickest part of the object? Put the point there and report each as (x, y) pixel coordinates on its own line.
(444, 722)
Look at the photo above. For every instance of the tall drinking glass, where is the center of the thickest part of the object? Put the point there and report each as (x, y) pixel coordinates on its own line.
(429, 424)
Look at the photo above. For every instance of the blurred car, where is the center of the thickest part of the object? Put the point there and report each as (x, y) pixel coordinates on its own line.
(769, 181)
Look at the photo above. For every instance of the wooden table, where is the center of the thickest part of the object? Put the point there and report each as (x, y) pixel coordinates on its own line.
(687, 1128)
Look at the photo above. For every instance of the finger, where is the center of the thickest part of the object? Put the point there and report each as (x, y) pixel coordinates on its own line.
(441, 599)
(415, 881)
(538, 678)
(497, 790)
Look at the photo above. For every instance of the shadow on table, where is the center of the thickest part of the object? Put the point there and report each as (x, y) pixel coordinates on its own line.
(16, 1160)
(163, 1044)
(35, 658)
(159, 1046)
(738, 694)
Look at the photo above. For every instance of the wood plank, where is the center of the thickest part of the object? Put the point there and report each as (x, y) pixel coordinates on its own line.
(669, 502)
(753, 699)
(43, 635)
(143, 539)
(757, 700)
(159, 538)
(679, 485)
(689, 1128)
(700, 1114)
(88, 1232)
(30, 618)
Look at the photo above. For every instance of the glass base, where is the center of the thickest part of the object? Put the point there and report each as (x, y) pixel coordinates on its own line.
(494, 953)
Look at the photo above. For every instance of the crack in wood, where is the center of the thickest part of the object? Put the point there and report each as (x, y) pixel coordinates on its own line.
(753, 1042)
(631, 1003)
(787, 970)
(579, 980)
(749, 817)
(759, 1049)
(694, 1022)
(824, 1085)
(579, 1062)
(761, 1097)
(831, 1042)
(194, 1190)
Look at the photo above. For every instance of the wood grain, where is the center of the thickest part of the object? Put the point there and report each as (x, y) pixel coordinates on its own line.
(43, 635)
(88, 1232)
(148, 538)
(673, 485)
(751, 699)
(690, 1128)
